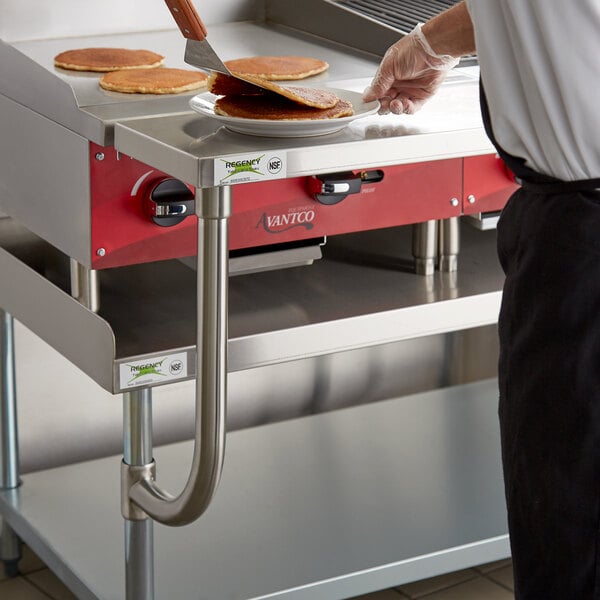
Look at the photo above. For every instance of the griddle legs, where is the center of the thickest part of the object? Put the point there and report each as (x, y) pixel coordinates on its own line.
(436, 242)
(84, 285)
(10, 544)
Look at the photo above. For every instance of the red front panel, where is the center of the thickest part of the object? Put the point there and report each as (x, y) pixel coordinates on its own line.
(264, 213)
(488, 184)
(122, 234)
(273, 212)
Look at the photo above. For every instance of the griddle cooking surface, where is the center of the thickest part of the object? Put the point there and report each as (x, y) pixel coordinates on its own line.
(400, 14)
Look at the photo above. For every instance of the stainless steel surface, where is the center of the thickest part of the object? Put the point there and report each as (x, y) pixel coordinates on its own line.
(276, 259)
(187, 146)
(294, 518)
(402, 15)
(213, 208)
(84, 285)
(484, 221)
(44, 177)
(71, 322)
(370, 25)
(130, 476)
(76, 101)
(202, 55)
(424, 246)
(274, 316)
(449, 244)
(88, 425)
(331, 21)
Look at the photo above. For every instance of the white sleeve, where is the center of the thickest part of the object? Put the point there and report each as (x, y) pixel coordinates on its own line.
(540, 69)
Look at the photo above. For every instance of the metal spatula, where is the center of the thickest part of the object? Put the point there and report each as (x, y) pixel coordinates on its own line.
(198, 52)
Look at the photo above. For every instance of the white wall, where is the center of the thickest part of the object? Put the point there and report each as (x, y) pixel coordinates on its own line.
(41, 19)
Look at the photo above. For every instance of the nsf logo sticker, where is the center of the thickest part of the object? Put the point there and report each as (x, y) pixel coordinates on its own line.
(247, 168)
(160, 369)
(275, 165)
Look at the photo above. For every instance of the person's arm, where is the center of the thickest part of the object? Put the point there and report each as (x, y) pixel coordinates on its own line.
(451, 32)
(414, 67)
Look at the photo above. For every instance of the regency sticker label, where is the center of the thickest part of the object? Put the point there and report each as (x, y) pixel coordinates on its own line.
(247, 168)
(159, 369)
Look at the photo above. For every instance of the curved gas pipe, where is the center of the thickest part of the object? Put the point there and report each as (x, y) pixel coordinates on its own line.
(141, 495)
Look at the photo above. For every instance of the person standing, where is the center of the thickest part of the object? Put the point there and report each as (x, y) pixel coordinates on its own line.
(540, 88)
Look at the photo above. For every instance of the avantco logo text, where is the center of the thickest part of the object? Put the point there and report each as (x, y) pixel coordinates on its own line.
(295, 217)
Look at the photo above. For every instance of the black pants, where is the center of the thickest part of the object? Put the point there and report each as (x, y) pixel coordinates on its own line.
(549, 370)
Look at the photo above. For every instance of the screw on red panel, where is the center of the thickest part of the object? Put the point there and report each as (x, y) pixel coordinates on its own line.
(454, 202)
(100, 156)
(101, 251)
(471, 199)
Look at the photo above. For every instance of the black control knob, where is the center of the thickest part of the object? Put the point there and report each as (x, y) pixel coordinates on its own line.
(333, 188)
(169, 202)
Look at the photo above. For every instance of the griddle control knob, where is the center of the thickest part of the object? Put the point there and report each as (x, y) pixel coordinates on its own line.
(169, 202)
(333, 188)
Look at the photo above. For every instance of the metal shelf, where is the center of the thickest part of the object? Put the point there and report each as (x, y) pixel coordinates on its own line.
(327, 506)
(361, 293)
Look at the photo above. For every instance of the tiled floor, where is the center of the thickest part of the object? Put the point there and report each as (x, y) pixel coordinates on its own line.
(486, 582)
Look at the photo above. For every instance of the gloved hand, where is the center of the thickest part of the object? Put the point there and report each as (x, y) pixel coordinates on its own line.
(409, 74)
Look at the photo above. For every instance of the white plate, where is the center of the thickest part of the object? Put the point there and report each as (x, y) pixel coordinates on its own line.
(204, 104)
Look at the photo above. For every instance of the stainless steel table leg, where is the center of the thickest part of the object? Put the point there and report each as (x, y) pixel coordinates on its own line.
(424, 247)
(139, 535)
(10, 545)
(84, 285)
(449, 244)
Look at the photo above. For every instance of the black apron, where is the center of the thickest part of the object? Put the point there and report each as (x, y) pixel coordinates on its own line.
(549, 379)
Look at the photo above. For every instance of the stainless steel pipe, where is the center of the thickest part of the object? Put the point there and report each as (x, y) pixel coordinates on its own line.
(84, 285)
(139, 534)
(213, 208)
(10, 545)
(137, 427)
(9, 453)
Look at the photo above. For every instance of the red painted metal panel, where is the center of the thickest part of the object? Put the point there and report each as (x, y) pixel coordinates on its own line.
(119, 225)
(264, 213)
(489, 183)
(285, 210)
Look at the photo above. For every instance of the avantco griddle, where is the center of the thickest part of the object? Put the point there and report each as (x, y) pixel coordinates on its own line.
(78, 167)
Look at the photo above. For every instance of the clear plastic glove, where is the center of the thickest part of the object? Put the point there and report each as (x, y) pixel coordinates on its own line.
(409, 74)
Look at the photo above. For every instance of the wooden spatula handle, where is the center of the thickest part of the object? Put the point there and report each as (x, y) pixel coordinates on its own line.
(187, 19)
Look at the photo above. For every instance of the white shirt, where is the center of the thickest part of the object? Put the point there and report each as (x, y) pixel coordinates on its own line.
(540, 68)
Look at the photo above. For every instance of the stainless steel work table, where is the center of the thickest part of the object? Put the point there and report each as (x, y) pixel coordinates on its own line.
(327, 506)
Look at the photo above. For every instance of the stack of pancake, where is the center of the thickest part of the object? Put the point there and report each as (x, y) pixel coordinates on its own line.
(251, 94)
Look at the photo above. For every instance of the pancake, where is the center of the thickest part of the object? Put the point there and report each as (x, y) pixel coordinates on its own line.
(107, 59)
(276, 108)
(153, 81)
(224, 85)
(277, 68)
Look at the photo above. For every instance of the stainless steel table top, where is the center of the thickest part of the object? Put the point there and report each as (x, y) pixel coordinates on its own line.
(30, 77)
(188, 145)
